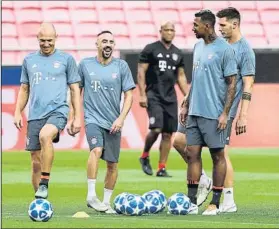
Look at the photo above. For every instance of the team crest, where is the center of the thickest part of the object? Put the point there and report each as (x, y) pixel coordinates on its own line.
(94, 140)
(56, 64)
(152, 120)
(174, 56)
(114, 75)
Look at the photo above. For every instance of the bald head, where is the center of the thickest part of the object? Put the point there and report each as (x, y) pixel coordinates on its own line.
(167, 31)
(47, 29)
(46, 37)
(165, 24)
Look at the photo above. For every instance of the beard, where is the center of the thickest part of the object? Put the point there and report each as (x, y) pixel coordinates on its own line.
(166, 41)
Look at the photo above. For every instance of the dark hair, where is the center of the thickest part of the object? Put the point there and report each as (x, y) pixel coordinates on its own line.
(229, 13)
(206, 16)
(105, 31)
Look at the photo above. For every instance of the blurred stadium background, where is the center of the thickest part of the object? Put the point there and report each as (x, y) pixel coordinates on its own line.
(135, 24)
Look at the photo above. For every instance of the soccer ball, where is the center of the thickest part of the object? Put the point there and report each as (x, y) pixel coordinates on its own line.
(40, 210)
(134, 205)
(162, 198)
(153, 202)
(179, 204)
(118, 203)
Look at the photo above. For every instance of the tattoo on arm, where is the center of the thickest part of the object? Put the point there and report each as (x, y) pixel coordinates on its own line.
(246, 96)
(231, 81)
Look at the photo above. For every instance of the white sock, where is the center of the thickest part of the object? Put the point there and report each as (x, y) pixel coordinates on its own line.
(107, 195)
(203, 173)
(228, 196)
(91, 188)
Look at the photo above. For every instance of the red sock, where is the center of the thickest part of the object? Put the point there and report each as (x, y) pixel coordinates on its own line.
(161, 166)
(145, 155)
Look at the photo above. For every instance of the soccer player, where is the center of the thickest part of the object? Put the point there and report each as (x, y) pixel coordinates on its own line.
(205, 182)
(208, 107)
(45, 77)
(103, 79)
(229, 26)
(161, 65)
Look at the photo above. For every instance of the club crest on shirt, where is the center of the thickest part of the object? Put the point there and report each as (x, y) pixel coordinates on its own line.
(94, 140)
(174, 56)
(152, 120)
(114, 75)
(210, 56)
(56, 64)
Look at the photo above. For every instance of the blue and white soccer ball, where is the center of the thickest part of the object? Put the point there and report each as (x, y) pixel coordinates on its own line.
(40, 210)
(118, 203)
(179, 204)
(163, 199)
(134, 205)
(153, 202)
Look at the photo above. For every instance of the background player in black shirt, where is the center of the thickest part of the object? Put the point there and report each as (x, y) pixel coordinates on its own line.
(160, 66)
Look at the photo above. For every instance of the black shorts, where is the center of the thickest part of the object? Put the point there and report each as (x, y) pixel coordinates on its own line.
(163, 116)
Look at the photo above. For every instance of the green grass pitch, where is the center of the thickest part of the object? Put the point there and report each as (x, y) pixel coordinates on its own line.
(256, 191)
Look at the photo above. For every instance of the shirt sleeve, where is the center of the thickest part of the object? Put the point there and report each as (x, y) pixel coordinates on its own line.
(127, 81)
(181, 62)
(72, 71)
(24, 78)
(145, 55)
(229, 62)
(248, 64)
(80, 72)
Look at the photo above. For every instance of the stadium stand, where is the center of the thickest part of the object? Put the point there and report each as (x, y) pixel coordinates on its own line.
(134, 23)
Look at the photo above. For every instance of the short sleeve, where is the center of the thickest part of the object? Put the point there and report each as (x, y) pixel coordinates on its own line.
(81, 74)
(72, 71)
(248, 64)
(127, 81)
(181, 62)
(229, 62)
(145, 55)
(24, 78)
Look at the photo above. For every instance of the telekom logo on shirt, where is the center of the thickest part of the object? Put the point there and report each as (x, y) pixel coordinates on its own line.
(95, 84)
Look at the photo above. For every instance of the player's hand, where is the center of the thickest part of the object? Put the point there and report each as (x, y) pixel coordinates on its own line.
(143, 101)
(18, 121)
(116, 126)
(69, 128)
(241, 124)
(183, 115)
(223, 120)
(76, 125)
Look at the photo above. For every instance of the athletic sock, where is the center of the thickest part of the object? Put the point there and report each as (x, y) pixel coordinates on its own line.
(192, 191)
(44, 178)
(145, 155)
(217, 193)
(91, 188)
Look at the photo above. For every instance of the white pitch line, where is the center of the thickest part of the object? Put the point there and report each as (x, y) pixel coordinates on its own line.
(116, 217)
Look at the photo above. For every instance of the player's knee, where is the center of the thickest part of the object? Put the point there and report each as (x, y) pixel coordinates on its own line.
(111, 167)
(166, 136)
(45, 138)
(217, 154)
(97, 151)
(192, 154)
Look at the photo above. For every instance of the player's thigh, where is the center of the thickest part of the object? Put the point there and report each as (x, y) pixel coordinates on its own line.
(95, 136)
(155, 114)
(193, 134)
(111, 147)
(170, 118)
(213, 137)
(33, 132)
(49, 131)
(58, 120)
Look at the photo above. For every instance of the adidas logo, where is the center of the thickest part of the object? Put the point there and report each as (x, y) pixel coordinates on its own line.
(228, 192)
